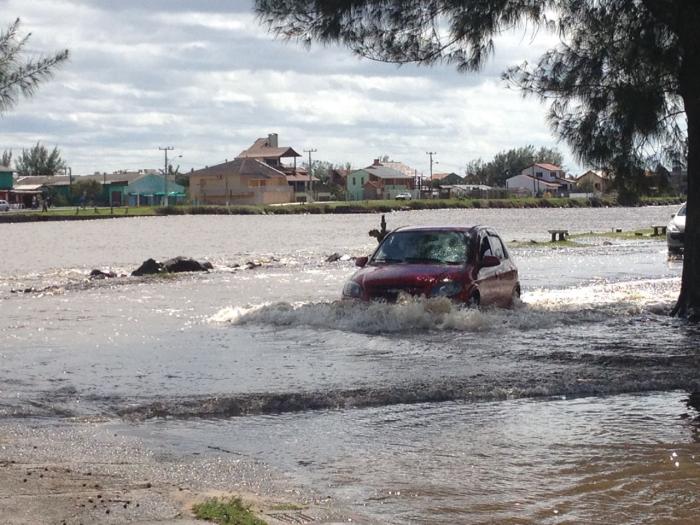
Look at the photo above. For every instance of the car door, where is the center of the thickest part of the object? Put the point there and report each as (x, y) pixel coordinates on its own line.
(487, 277)
(506, 274)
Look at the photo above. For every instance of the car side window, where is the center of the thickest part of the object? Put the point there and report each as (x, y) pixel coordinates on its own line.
(485, 247)
(497, 247)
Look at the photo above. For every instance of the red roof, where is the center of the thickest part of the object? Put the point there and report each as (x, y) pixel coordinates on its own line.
(262, 149)
(549, 167)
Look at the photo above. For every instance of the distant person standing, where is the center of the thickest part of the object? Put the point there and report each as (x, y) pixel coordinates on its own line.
(82, 199)
(44, 206)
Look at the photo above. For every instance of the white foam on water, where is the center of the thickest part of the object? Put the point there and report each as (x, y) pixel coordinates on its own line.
(627, 297)
(539, 309)
(406, 315)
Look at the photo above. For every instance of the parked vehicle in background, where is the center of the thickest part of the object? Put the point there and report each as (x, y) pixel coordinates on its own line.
(4, 205)
(403, 196)
(675, 232)
(470, 265)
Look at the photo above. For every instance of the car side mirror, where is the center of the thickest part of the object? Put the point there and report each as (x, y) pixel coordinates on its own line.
(489, 261)
(361, 261)
(673, 215)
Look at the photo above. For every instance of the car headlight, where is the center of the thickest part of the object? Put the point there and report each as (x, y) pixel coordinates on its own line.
(352, 289)
(672, 227)
(446, 289)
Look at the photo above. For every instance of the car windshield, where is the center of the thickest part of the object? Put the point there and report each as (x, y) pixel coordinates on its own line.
(436, 247)
(681, 212)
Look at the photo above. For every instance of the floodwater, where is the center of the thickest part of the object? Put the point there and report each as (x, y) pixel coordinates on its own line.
(567, 409)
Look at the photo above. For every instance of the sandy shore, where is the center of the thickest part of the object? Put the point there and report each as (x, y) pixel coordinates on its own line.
(73, 472)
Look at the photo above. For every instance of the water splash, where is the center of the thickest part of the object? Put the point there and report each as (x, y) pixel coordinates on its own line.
(539, 309)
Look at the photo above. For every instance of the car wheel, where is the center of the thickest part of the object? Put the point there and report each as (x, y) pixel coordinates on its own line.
(474, 300)
(515, 298)
(674, 251)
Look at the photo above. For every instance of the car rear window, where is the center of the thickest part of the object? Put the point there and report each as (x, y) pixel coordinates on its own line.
(437, 247)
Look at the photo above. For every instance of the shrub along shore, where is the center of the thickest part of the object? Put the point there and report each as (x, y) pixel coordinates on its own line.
(327, 207)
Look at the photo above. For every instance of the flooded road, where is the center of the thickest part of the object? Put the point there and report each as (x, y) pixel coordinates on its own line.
(567, 409)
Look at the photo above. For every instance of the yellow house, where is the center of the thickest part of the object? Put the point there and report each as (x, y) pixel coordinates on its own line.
(595, 181)
(240, 181)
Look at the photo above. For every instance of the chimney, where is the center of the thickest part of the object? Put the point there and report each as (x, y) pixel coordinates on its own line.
(272, 140)
(376, 162)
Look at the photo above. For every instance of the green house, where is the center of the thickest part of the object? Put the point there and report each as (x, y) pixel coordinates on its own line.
(5, 182)
(136, 188)
(355, 185)
(150, 189)
(379, 181)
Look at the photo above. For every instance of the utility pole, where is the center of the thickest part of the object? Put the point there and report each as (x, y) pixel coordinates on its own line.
(430, 154)
(311, 181)
(165, 173)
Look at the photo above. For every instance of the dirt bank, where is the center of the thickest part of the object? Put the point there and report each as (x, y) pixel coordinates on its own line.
(91, 472)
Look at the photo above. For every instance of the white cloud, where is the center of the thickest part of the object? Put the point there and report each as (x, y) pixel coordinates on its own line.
(207, 79)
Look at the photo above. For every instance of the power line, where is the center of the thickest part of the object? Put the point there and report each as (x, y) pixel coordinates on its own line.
(311, 180)
(165, 173)
(430, 154)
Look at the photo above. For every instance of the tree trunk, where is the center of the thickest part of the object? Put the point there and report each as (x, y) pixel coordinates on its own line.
(688, 304)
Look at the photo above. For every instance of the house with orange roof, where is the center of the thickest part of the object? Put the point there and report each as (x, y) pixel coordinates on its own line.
(268, 150)
(540, 178)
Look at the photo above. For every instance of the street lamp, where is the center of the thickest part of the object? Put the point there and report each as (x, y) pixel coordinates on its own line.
(165, 173)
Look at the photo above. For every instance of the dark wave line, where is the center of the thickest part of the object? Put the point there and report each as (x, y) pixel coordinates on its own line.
(476, 389)
(290, 402)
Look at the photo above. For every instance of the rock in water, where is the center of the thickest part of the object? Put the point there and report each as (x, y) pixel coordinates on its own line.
(149, 267)
(99, 274)
(185, 264)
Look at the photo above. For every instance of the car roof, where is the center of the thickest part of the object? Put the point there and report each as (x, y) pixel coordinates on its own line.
(451, 228)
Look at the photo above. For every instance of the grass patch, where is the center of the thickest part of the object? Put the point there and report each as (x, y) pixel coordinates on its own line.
(319, 208)
(547, 244)
(230, 511)
(571, 241)
(632, 234)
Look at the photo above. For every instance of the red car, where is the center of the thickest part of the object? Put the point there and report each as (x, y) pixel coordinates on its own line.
(467, 264)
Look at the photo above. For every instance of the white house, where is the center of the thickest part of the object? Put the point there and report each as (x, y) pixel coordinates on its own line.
(540, 178)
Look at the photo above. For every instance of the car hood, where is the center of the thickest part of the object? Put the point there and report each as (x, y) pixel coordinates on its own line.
(679, 222)
(406, 275)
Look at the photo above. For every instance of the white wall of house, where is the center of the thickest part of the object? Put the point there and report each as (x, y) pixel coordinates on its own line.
(523, 182)
(543, 173)
(534, 186)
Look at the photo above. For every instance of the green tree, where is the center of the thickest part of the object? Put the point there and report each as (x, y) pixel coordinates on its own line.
(6, 159)
(321, 170)
(39, 161)
(622, 79)
(90, 189)
(19, 76)
(508, 163)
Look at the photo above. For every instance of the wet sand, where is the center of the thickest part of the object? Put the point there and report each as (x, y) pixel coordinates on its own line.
(85, 472)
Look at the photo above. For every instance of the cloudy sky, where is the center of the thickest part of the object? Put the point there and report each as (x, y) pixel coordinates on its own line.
(206, 78)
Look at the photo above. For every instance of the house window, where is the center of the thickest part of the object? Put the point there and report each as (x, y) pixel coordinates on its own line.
(538, 174)
(353, 181)
(362, 180)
